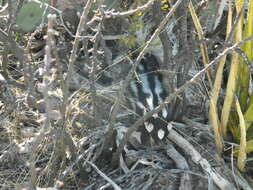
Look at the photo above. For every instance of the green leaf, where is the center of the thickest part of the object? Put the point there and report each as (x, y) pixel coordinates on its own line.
(30, 16)
(248, 116)
(249, 147)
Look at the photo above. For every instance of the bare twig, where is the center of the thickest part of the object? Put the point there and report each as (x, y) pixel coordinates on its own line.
(81, 28)
(76, 162)
(111, 14)
(14, 14)
(7, 97)
(185, 182)
(94, 96)
(19, 53)
(115, 186)
(221, 182)
(47, 5)
(45, 90)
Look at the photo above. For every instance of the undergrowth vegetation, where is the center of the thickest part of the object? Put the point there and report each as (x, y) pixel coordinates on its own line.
(236, 112)
(68, 119)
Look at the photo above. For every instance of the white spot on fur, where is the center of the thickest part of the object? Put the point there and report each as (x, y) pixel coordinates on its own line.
(158, 89)
(169, 126)
(150, 102)
(164, 113)
(161, 134)
(146, 89)
(149, 127)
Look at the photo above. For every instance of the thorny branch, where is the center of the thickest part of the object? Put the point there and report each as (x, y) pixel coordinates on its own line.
(97, 39)
(20, 54)
(115, 186)
(81, 28)
(45, 91)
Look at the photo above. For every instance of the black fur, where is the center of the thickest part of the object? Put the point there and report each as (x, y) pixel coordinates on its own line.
(148, 91)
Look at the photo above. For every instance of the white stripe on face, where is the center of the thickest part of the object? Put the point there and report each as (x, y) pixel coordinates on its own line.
(141, 105)
(158, 89)
(146, 89)
(155, 115)
(150, 102)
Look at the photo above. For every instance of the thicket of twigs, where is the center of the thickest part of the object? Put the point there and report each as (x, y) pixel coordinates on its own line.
(64, 76)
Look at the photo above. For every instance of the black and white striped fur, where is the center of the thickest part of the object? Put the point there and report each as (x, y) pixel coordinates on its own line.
(148, 92)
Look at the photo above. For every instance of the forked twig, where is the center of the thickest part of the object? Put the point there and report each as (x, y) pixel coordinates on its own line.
(115, 186)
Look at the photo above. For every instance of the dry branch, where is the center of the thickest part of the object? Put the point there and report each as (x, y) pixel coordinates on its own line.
(221, 182)
(169, 99)
(116, 106)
